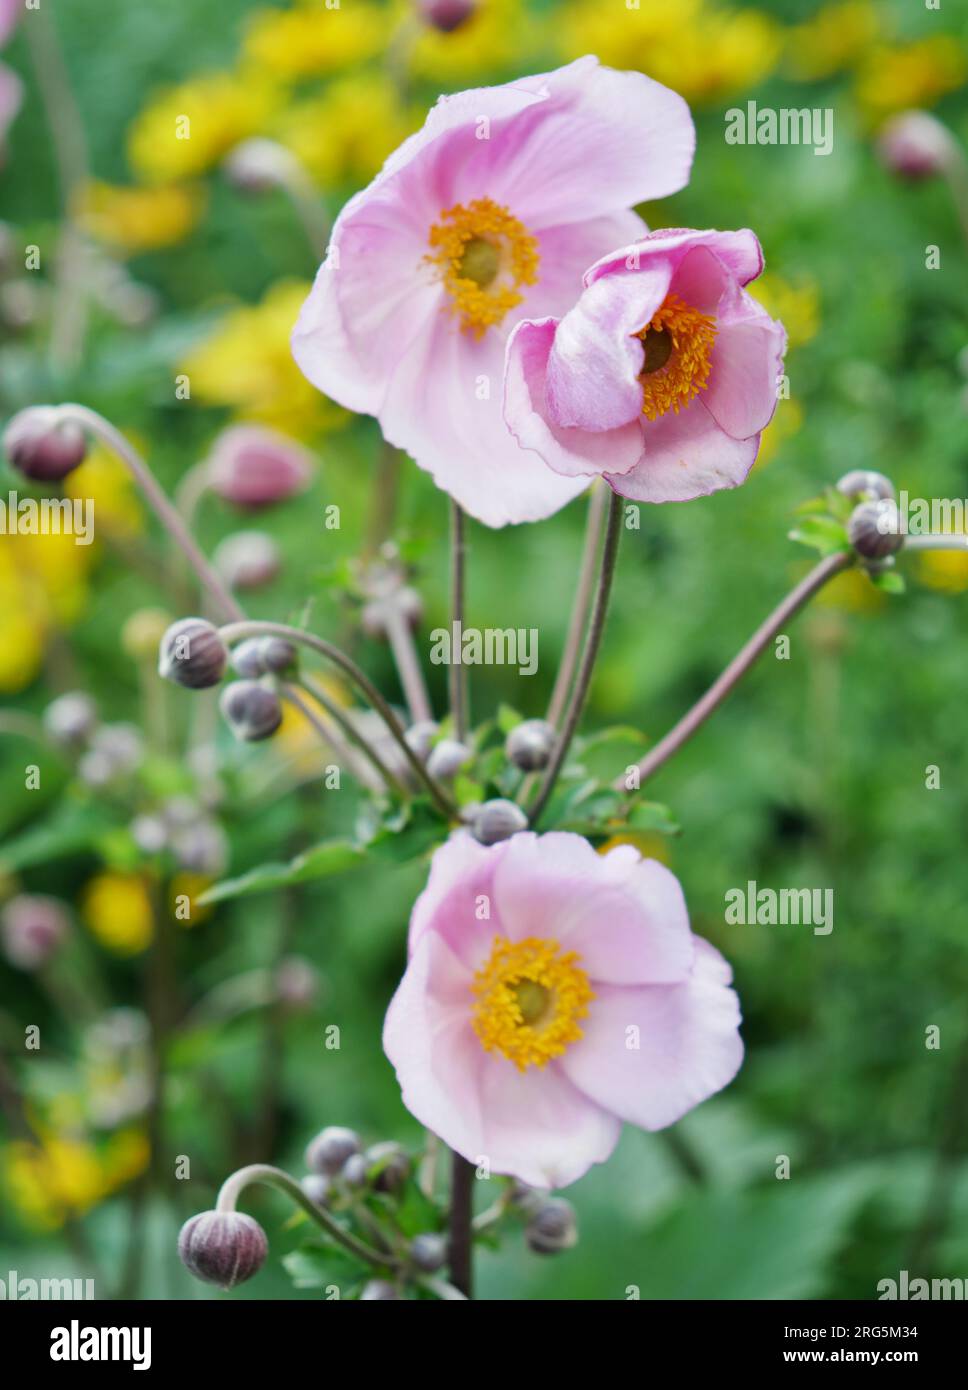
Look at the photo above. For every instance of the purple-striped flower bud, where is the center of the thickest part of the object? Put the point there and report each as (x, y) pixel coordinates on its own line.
(33, 928)
(915, 145)
(252, 711)
(429, 1251)
(874, 530)
(389, 1166)
(222, 1247)
(43, 447)
(328, 1152)
(552, 1228)
(497, 820)
(193, 654)
(251, 466)
(529, 745)
(447, 757)
(865, 485)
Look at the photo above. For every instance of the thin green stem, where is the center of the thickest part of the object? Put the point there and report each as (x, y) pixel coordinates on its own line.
(352, 733)
(457, 676)
(580, 606)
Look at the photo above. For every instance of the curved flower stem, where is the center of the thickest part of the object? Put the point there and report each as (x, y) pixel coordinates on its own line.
(738, 667)
(461, 1225)
(407, 664)
(456, 676)
(234, 1185)
(593, 638)
(583, 597)
(235, 632)
(352, 733)
(167, 514)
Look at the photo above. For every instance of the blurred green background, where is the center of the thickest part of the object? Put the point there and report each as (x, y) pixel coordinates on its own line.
(813, 774)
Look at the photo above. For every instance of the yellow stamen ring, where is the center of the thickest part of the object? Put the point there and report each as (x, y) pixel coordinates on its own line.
(678, 342)
(483, 256)
(531, 997)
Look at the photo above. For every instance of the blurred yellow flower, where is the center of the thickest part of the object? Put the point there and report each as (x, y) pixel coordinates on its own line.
(345, 135)
(945, 570)
(702, 52)
(103, 479)
(832, 39)
(190, 886)
(795, 303)
(132, 219)
(117, 909)
(43, 585)
(499, 35)
(246, 364)
(61, 1177)
(185, 130)
(910, 75)
(313, 38)
(851, 592)
(21, 646)
(787, 421)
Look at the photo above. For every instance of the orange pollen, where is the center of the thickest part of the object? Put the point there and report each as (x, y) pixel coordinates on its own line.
(531, 997)
(678, 342)
(483, 256)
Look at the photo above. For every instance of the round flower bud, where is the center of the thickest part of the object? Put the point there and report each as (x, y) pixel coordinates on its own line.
(252, 711)
(258, 166)
(865, 485)
(317, 1188)
(247, 659)
(71, 718)
(428, 1252)
(143, 631)
(41, 447)
(247, 560)
(420, 736)
(392, 1164)
(873, 529)
(297, 982)
(328, 1152)
(498, 820)
(222, 1247)
(379, 1289)
(915, 145)
(446, 15)
(524, 1198)
(253, 467)
(192, 653)
(279, 657)
(33, 927)
(354, 1171)
(529, 745)
(150, 833)
(552, 1228)
(447, 757)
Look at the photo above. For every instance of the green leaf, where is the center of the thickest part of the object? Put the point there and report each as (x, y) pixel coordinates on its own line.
(318, 1266)
(652, 815)
(889, 581)
(507, 718)
(325, 860)
(821, 533)
(73, 827)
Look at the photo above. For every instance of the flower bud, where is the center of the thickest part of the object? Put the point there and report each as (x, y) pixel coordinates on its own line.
(446, 15)
(297, 982)
(143, 631)
(150, 833)
(247, 660)
(193, 654)
(33, 927)
(317, 1188)
(392, 1165)
(524, 1198)
(865, 485)
(71, 718)
(498, 820)
(222, 1247)
(529, 745)
(252, 711)
(247, 560)
(258, 166)
(354, 1171)
(915, 145)
(279, 657)
(873, 529)
(420, 737)
(41, 447)
(379, 1289)
(331, 1148)
(447, 757)
(552, 1228)
(253, 467)
(428, 1252)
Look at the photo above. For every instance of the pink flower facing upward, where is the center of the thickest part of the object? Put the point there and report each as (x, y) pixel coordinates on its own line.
(553, 992)
(252, 467)
(487, 215)
(662, 375)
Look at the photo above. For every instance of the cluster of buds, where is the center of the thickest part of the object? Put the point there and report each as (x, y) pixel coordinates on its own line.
(193, 654)
(185, 829)
(551, 1225)
(340, 1168)
(873, 527)
(107, 753)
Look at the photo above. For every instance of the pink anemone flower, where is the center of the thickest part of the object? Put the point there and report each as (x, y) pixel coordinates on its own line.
(551, 993)
(662, 375)
(487, 215)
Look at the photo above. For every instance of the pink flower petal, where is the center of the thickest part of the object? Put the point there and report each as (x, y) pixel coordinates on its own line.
(747, 359)
(461, 875)
(740, 251)
(684, 456)
(688, 1044)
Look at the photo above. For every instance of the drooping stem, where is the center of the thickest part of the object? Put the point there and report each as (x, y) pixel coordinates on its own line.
(582, 600)
(407, 663)
(234, 1185)
(350, 730)
(738, 667)
(461, 1225)
(236, 632)
(158, 501)
(457, 677)
(593, 639)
